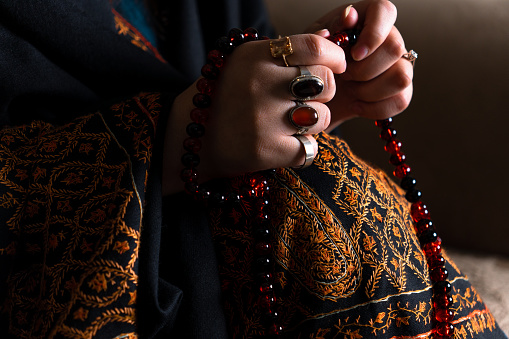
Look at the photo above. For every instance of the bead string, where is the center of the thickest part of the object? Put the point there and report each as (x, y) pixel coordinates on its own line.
(430, 242)
(256, 190)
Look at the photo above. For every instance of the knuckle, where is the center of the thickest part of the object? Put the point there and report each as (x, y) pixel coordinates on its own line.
(403, 80)
(330, 84)
(395, 47)
(389, 8)
(315, 46)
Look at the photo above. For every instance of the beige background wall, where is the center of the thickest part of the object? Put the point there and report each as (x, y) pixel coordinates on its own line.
(455, 131)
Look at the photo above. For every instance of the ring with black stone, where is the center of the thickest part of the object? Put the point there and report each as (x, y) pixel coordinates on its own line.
(306, 86)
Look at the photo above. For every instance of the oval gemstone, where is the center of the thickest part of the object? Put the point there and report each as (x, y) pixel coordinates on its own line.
(304, 116)
(308, 87)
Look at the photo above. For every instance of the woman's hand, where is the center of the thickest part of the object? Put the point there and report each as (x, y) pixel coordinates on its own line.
(249, 129)
(377, 83)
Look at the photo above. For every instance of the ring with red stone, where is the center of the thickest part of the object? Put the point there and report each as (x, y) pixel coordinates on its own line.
(306, 142)
(302, 117)
(306, 86)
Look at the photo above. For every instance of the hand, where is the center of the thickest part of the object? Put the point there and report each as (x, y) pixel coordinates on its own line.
(248, 129)
(377, 83)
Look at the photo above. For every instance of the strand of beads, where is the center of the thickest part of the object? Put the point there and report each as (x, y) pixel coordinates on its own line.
(430, 242)
(255, 189)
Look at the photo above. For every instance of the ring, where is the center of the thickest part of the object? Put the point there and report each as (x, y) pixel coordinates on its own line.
(306, 86)
(410, 56)
(305, 140)
(281, 47)
(302, 117)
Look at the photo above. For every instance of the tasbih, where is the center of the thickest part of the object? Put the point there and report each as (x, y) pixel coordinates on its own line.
(256, 191)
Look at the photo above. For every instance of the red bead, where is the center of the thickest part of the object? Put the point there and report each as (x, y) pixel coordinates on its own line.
(439, 274)
(444, 315)
(304, 116)
(340, 39)
(444, 329)
(401, 171)
(189, 175)
(250, 34)
(397, 158)
(432, 248)
(236, 36)
(275, 329)
(267, 301)
(419, 211)
(191, 188)
(388, 134)
(210, 71)
(263, 248)
(216, 58)
(201, 100)
(192, 145)
(424, 225)
(442, 301)
(199, 115)
(266, 288)
(383, 123)
(205, 86)
(393, 146)
(436, 261)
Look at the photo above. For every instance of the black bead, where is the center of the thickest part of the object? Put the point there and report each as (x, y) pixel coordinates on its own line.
(428, 236)
(201, 100)
(250, 34)
(413, 195)
(262, 233)
(195, 130)
(217, 199)
(442, 287)
(407, 183)
(190, 160)
(425, 225)
(224, 45)
(233, 198)
(384, 123)
(353, 34)
(236, 36)
(262, 262)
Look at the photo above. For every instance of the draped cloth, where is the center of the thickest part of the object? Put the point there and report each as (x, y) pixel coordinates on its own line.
(88, 246)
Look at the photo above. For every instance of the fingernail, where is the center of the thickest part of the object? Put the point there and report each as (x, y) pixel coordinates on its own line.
(347, 11)
(323, 33)
(359, 53)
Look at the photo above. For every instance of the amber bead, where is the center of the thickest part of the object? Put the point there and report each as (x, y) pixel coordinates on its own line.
(340, 39)
(195, 130)
(201, 100)
(419, 211)
(192, 145)
(250, 34)
(393, 146)
(444, 315)
(383, 123)
(432, 248)
(444, 329)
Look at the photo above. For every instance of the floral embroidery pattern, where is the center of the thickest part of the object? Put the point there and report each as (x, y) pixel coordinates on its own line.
(348, 261)
(68, 249)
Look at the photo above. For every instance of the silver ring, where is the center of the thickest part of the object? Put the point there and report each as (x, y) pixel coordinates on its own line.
(305, 140)
(411, 56)
(306, 86)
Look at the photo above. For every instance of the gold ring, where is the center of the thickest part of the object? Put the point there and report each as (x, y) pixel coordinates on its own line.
(281, 47)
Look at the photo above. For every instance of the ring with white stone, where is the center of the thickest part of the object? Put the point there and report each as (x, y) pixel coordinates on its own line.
(410, 56)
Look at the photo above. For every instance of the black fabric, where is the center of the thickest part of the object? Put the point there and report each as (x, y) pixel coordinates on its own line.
(60, 59)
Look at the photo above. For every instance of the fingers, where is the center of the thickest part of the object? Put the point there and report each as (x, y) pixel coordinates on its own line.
(311, 49)
(379, 18)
